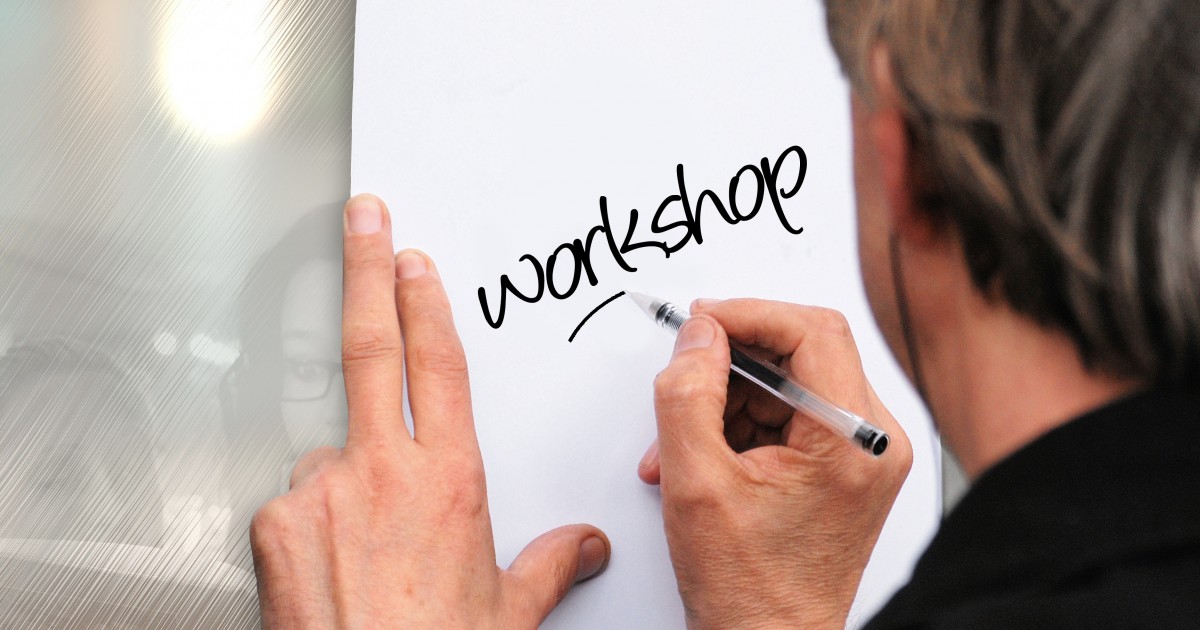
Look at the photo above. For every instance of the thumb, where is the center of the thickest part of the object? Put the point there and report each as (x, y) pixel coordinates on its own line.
(550, 565)
(689, 399)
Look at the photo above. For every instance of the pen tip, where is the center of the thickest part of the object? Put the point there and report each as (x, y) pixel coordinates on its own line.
(644, 302)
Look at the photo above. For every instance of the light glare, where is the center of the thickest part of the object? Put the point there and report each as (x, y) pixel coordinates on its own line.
(217, 66)
(208, 349)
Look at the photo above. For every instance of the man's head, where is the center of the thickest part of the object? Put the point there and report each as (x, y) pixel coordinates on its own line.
(1057, 143)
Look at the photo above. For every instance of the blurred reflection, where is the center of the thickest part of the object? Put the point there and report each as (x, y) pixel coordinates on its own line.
(63, 475)
(83, 509)
(159, 163)
(285, 395)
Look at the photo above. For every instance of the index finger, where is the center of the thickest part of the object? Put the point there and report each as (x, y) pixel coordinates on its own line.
(372, 350)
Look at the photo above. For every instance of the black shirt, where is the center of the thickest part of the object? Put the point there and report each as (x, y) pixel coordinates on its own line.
(1094, 525)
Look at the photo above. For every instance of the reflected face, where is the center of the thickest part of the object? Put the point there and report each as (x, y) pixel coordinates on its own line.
(313, 405)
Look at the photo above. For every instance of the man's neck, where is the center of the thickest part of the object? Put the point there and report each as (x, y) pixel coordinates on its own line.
(1000, 381)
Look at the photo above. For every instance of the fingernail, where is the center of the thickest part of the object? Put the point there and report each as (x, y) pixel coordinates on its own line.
(410, 264)
(593, 556)
(698, 332)
(704, 303)
(364, 215)
(651, 456)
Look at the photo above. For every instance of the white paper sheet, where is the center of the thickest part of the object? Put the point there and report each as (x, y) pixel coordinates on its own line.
(494, 128)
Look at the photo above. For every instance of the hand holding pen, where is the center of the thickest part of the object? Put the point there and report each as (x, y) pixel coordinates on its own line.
(774, 488)
(776, 382)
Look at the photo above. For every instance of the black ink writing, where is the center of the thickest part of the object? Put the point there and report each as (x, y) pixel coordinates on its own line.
(570, 263)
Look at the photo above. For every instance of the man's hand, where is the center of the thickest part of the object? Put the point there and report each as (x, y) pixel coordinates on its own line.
(770, 516)
(393, 530)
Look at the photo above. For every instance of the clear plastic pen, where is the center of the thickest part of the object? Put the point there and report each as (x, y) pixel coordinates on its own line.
(777, 382)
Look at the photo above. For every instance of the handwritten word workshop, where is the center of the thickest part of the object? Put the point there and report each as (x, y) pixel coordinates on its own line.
(675, 223)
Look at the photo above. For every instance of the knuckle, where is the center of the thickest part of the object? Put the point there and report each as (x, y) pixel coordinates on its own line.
(314, 460)
(689, 495)
(382, 475)
(459, 495)
(330, 479)
(902, 459)
(669, 382)
(442, 358)
(270, 523)
(370, 343)
(471, 474)
(464, 504)
(663, 381)
(881, 477)
(831, 322)
(466, 489)
(329, 496)
(858, 482)
(336, 493)
(674, 389)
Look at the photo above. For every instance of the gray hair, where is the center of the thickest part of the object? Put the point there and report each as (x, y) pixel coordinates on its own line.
(1063, 142)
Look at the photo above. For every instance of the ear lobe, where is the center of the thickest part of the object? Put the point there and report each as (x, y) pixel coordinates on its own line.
(902, 175)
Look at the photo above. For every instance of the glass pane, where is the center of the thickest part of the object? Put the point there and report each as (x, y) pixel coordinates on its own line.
(171, 177)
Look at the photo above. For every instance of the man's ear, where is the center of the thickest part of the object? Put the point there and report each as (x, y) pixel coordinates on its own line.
(904, 177)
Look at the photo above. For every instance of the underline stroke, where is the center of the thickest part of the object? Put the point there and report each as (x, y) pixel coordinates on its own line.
(589, 315)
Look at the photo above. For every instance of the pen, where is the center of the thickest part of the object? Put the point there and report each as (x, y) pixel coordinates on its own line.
(776, 381)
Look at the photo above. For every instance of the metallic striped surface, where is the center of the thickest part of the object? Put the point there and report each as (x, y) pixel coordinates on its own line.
(171, 174)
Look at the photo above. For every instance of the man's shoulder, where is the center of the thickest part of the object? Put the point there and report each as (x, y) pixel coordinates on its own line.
(1158, 591)
(1095, 525)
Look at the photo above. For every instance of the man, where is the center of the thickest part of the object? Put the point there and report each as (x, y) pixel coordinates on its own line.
(1028, 178)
